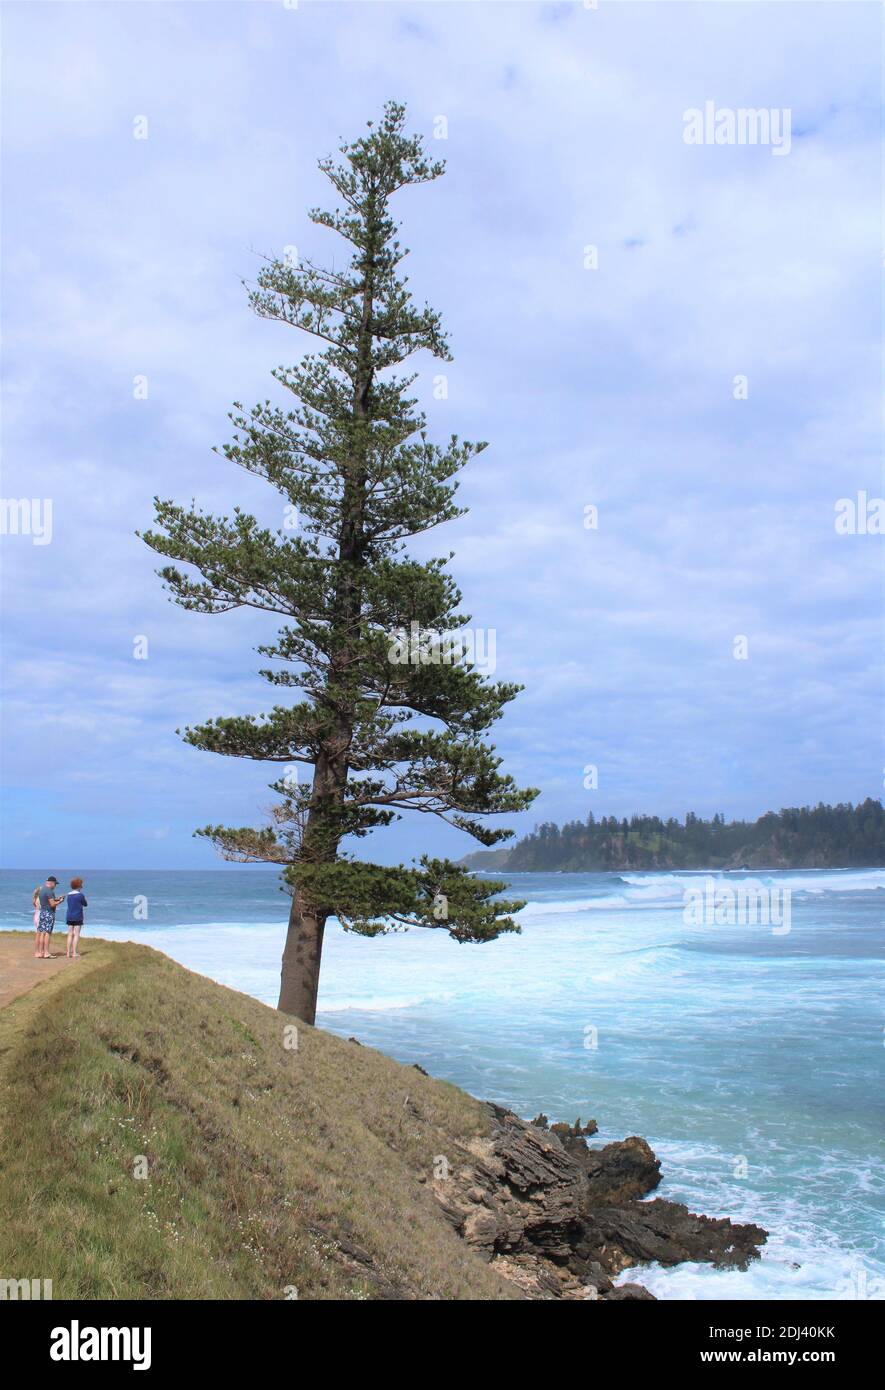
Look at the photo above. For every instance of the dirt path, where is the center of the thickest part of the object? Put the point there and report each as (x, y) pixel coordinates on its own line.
(20, 970)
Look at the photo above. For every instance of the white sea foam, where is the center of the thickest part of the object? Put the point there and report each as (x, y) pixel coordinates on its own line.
(807, 1272)
(652, 892)
(639, 899)
(800, 881)
(801, 1259)
(369, 1004)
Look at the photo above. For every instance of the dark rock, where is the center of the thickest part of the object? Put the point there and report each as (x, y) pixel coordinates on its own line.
(575, 1131)
(559, 1218)
(628, 1291)
(618, 1172)
(595, 1275)
(666, 1232)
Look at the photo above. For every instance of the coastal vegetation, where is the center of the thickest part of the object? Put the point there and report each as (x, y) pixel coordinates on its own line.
(158, 1139)
(810, 837)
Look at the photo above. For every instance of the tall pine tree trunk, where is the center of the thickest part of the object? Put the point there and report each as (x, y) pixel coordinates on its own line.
(302, 953)
(300, 973)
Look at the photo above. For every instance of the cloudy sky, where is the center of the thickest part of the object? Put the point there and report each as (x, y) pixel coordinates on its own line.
(611, 387)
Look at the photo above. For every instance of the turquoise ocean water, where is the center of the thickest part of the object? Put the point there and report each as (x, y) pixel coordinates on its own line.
(751, 1060)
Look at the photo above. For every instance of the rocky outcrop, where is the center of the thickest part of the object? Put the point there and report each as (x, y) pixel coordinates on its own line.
(668, 1233)
(561, 1219)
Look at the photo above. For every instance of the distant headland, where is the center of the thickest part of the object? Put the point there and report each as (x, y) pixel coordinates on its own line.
(806, 837)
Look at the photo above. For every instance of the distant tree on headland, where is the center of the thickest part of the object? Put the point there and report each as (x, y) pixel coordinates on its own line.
(842, 836)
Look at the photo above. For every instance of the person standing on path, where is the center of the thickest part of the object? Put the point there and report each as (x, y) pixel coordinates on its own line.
(46, 920)
(74, 917)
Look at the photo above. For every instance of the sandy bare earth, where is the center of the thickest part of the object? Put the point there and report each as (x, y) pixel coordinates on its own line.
(20, 971)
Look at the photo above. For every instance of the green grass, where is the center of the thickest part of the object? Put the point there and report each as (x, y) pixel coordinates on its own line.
(268, 1169)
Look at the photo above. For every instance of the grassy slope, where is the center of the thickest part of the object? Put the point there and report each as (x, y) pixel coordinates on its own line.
(262, 1160)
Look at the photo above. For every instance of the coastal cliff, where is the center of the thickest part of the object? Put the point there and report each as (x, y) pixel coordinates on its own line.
(223, 1151)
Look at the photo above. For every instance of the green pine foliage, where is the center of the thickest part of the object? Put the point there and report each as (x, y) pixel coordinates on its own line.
(349, 450)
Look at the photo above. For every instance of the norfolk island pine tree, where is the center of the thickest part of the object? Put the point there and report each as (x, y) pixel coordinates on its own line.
(382, 735)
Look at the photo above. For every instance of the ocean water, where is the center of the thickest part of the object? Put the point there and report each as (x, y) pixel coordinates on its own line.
(750, 1058)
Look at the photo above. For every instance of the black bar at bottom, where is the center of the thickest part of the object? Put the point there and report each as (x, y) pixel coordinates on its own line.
(60, 1338)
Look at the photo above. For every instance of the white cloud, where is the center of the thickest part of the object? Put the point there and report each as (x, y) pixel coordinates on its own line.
(611, 386)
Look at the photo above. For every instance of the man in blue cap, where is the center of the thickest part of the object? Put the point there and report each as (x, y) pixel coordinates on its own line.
(46, 919)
